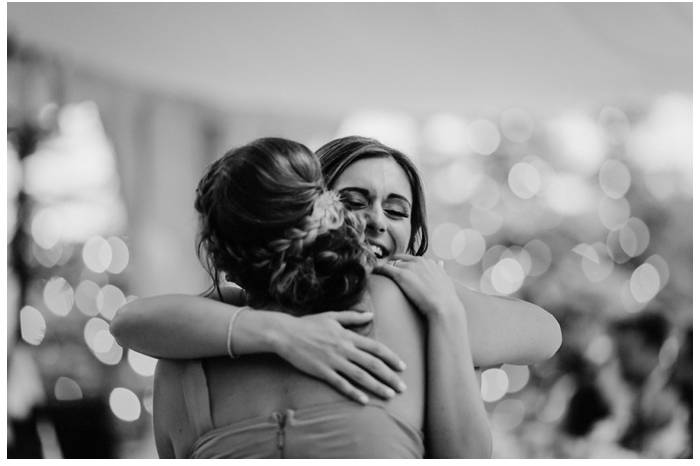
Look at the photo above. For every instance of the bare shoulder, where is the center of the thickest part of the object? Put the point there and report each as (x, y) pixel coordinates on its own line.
(385, 289)
(390, 303)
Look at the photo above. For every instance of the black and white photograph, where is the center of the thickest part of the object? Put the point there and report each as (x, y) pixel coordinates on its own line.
(358, 230)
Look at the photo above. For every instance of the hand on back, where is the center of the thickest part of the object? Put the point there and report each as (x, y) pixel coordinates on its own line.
(320, 346)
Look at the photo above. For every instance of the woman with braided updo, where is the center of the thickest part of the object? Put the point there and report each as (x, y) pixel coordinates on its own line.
(269, 224)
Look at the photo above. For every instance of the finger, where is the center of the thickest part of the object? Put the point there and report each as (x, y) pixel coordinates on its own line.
(381, 372)
(406, 257)
(364, 379)
(341, 384)
(380, 350)
(350, 318)
(390, 271)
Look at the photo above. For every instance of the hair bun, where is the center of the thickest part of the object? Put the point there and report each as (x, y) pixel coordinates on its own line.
(331, 274)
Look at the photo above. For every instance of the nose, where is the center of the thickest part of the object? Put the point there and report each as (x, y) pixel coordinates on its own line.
(375, 219)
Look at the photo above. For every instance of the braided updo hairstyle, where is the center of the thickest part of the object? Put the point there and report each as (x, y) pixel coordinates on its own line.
(268, 223)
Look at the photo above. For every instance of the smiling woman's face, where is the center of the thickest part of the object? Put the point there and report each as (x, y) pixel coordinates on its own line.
(379, 190)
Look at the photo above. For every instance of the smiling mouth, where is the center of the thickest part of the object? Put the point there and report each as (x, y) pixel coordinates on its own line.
(379, 252)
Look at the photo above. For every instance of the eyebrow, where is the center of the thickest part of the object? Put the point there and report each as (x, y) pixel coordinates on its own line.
(365, 192)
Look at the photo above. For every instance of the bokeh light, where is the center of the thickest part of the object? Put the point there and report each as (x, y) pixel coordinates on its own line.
(148, 402)
(67, 389)
(507, 276)
(142, 364)
(58, 296)
(120, 255)
(634, 237)
(86, 297)
(517, 124)
(518, 376)
(578, 141)
(101, 342)
(125, 404)
(484, 137)
(661, 266)
(508, 414)
(455, 183)
(615, 123)
(108, 300)
(524, 180)
(540, 256)
(486, 222)
(521, 255)
(613, 213)
(487, 194)
(645, 283)
(97, 254)
(600, 349)
(46, 227)
(614, 178)
(469, 246)
(492, 256)
(47, 257)
(32, 325)
(494, 385)
(447, 134)
(442, 238)
(615, 251)
(106, 349)
(662, 141)
(568, 194)
(558, 400)
(595, 262)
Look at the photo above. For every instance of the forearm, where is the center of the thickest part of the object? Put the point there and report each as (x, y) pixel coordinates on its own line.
(182, 326)
(505, 330)
(457, 424)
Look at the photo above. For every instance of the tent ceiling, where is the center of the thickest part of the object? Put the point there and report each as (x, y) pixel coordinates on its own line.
(337, 57)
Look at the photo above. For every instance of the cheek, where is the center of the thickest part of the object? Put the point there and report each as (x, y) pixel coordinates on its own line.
(402, 236)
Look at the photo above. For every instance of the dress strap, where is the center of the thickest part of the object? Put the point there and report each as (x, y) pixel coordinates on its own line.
(196, 392)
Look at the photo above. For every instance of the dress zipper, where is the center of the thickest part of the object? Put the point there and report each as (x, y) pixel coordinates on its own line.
(281, 418)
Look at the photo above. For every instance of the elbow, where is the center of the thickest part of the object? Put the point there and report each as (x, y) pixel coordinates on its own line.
(550, 335)
(121, 324)
(555, 339)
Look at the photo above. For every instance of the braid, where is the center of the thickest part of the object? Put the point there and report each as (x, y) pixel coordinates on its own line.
(268, 223)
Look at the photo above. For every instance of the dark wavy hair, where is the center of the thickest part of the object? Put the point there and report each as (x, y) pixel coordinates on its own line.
(337, 155)
(260, 210)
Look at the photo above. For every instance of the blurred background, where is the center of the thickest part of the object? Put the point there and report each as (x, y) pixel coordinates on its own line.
(554, 141)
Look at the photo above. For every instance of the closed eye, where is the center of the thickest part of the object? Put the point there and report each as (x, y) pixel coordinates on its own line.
(397, 213)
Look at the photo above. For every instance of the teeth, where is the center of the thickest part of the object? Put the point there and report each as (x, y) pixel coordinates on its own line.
(376, 250)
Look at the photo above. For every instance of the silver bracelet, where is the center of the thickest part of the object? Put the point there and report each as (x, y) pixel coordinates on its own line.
(229, 335)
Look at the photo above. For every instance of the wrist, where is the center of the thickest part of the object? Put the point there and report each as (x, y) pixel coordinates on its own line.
(447, 310)
(275, 331)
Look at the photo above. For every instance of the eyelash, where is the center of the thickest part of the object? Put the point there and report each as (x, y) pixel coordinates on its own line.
(356, 205)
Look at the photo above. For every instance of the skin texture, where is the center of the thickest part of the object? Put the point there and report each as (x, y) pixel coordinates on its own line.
(378, 189)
